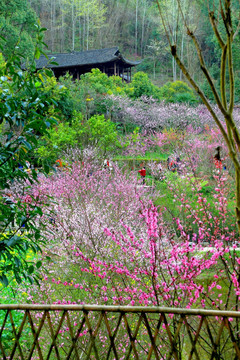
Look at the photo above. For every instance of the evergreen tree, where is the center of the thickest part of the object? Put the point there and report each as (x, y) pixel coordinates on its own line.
(18, 27)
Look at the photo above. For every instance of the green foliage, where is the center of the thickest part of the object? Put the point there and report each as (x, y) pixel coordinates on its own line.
(101, 83)
(208, 92)
(27, 107)
(146, 65)
(74, 98)
(13, 295)
(17, 26)
(96, 131)
(141, 85)
(63, 136)
(96, 85)
(58, 139)
(237, 90)
(66, 106)
(177, 91)
(87, 95)
(8, 336)
(101, 132)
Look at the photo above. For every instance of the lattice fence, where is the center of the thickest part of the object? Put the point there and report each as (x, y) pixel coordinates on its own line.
(112, 332)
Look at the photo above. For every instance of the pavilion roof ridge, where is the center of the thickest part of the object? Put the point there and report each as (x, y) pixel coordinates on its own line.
(81, 58)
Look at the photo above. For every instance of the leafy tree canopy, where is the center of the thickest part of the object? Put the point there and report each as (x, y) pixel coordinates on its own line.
(27, 110)
(18, 26)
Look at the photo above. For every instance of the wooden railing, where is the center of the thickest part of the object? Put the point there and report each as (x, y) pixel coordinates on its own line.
(117, 332)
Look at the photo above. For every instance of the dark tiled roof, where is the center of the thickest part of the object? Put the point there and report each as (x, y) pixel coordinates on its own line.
(89, 57)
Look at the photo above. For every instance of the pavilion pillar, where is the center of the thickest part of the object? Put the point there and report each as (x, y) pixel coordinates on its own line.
(115, 69)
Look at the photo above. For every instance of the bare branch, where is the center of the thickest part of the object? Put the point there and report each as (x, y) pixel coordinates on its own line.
(226, 16)
(230, 121)
(231, 75)
(215, 29)
(202, 64)
(201, 94)
(207, 74)
(223, 76)
(163, 22)
(237, 29)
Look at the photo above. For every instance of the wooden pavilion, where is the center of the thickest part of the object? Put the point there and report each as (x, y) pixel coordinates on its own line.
(109, 61)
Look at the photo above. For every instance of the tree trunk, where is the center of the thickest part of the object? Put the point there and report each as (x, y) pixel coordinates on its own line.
(182, 43)
(143, 25)
(84, 31)
(174, 38)
(73, 27)
(62, 36)
(53, 12)
(87, 25)
(136, 29)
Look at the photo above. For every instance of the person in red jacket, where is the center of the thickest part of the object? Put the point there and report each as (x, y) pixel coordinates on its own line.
(59, 163)
(217, 159)
(142, 172)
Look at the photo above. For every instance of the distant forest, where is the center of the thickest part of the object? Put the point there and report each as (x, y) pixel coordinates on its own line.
(132, 25)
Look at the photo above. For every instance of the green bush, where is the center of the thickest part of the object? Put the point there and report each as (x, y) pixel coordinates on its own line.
(177, 91)
(28, 109)
(60, 138)
(87, 95)
(146, 65)
(101, 132)
(142, 85)
(74, 99)
(101, 83)
(96, 131)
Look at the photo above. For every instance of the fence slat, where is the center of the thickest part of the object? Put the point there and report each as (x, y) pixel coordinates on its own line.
(114, 332)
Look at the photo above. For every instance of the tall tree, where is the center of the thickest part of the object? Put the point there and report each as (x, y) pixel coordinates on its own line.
(17, 26)
(27, 108)
(154, 50)
(89, 16)
(136, 27)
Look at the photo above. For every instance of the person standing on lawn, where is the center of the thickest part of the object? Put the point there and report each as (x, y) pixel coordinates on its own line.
(142, 172)
(217, 159)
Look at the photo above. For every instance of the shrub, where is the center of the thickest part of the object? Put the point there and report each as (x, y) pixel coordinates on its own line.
(102, 83)
(122, 252)
(100, 132)
(28, 108)
(58, 140)
(141, 85)
(177, 91)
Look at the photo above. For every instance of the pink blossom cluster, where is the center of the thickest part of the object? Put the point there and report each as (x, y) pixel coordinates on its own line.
(137, 144)
(112, 245)
(154, 115)
(109, 244)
